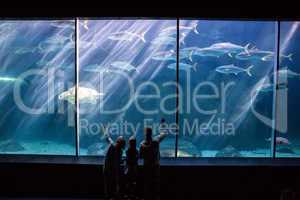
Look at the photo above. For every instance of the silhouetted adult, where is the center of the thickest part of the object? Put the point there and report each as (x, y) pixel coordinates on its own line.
(149, 152)
(112, 169)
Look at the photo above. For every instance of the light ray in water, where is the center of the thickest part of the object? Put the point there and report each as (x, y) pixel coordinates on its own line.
(289, 36)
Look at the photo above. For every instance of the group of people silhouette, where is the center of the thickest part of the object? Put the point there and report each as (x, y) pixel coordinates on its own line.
(121, 182)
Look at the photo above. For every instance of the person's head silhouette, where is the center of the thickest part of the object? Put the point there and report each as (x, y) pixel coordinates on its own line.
(148, 134)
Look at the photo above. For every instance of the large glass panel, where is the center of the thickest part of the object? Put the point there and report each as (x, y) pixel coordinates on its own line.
(127, 80)
(288, 97)
(227, 95)
(36, 67)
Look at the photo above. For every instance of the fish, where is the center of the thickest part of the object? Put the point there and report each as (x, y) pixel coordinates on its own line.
(164, 41)
(63, 24)
(205, 52)
(126, 66)
(261, 55)
(164, 56)
(96, 68)
(173, 29)
(58, 39)
(280, 140)
(183, 66)
(7, 79)
(25, 50)
(232, 69)
(170, 55)
(287, 73)
(270, 87)
(85, 95)
(127, 36)
(229, 48)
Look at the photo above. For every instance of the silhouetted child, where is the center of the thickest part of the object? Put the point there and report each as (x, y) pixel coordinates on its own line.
(112, 169)
(131, 171)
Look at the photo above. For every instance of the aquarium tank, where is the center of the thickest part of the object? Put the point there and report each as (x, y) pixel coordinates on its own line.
(216, 88)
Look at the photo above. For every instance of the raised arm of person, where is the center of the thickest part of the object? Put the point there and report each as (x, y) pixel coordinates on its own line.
(161, 137)
(107, 135)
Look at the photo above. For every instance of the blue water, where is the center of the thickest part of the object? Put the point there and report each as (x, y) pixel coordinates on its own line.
(117, 67)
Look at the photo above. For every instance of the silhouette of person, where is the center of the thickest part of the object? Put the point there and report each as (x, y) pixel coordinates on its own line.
(132, 156)
(112, 169)
(149, 152)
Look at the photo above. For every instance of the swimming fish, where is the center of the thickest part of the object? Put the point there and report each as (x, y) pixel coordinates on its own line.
(287, 73)
(63, 24)
(183, 66)
(261, 55)
(164, 41)
(126, 66)
(127, 36)
(7, 79)
(232, 69)
(280, 140)
(85, 95)
(164, 56)
(24, 50)
(173, 29)
(229, 48)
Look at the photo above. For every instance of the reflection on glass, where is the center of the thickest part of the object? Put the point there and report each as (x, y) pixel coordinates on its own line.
(36, 67)
(287, 139)
(227, 92)
(127, 81)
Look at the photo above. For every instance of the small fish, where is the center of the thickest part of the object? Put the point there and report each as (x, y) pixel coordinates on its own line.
(183, 66)
(127, 36)
(280, 140)
(124, 66)
(232, 69)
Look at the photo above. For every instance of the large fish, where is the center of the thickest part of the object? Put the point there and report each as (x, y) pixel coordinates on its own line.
(127, 36)
(85, 95)
(232, 69)
(229, 48)
(164, 41)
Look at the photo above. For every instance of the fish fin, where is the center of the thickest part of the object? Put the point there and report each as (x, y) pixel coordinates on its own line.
(195, 66)
(195, 28)
(290, 57)
(191, 56)
(143, 37)
(246, 48)
(230, 55)
(248, 70)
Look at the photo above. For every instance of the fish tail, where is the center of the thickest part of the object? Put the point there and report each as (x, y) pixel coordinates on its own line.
(195, 28)
(143, 37)
(195, 66)
(191, 56)
(290, 57)
(248, 70)
(246, 48)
